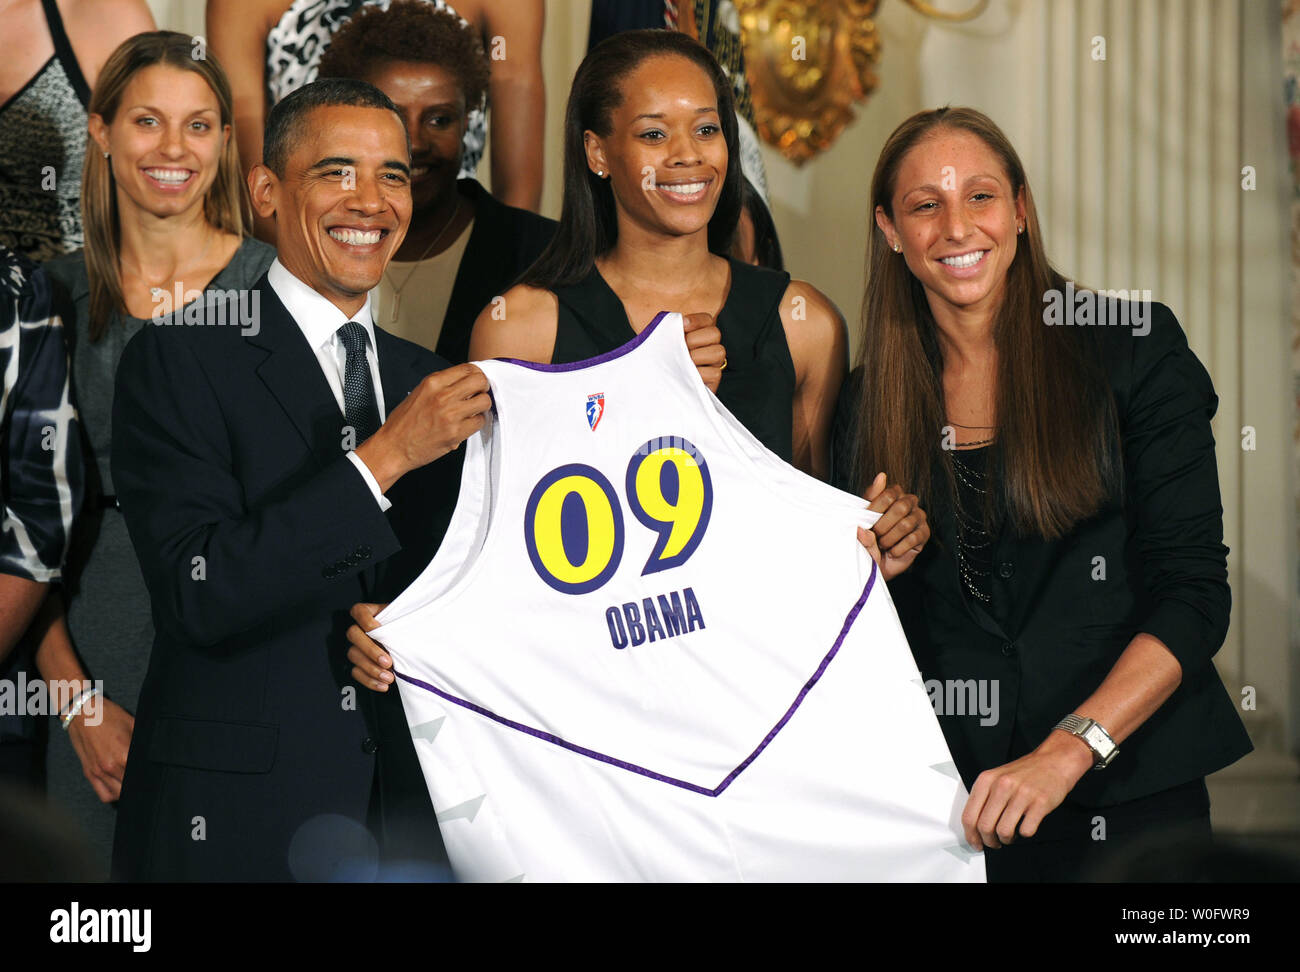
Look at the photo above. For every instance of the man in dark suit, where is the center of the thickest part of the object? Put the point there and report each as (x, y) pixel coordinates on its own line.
(265, 493)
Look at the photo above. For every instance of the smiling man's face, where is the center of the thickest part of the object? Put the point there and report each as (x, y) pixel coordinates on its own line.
(344, 203)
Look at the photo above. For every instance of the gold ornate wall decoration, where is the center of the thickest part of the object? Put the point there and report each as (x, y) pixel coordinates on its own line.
(808, 61)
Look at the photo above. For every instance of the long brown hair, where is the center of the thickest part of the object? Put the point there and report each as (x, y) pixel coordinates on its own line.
(226, 205)
(1054, 462)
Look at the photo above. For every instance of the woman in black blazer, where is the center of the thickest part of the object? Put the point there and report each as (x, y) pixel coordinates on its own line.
(1076, 573)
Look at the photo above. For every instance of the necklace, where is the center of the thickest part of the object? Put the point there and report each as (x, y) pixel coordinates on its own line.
(397, 291)
(976, 442)
(974, 541)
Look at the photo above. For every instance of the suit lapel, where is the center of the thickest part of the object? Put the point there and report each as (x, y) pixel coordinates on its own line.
(293, 376)
(399, 369)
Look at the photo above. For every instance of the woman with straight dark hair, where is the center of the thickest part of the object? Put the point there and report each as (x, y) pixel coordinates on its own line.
(652, 193)
(1077, 581)
(166, 214)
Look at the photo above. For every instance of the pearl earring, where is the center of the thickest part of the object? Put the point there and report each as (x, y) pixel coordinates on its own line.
(600, 173)
(898, 248)
(105, 155)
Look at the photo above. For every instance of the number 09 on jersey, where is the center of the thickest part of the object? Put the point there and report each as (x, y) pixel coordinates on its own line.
(574, 531)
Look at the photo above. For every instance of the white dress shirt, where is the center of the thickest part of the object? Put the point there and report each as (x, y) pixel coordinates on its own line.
(319, 320)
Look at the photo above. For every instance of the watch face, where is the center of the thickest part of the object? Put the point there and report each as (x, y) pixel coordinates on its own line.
(1096, 738)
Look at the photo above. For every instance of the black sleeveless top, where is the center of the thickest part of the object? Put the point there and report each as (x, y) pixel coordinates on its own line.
(758, 384)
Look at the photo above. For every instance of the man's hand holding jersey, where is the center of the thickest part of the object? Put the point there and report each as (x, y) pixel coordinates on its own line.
(442, 411)
(371, 665)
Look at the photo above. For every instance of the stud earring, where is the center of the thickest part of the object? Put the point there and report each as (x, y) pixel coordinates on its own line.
(105, 155)
(600, 173)
(898, 248)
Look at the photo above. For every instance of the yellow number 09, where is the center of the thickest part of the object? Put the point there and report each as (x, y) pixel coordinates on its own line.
(573, 526)
(554, 529)
(681, 521)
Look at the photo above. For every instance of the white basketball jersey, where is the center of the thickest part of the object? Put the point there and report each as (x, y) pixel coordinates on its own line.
(650, 650)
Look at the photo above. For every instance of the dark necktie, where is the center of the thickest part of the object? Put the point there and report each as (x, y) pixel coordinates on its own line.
(359, 404)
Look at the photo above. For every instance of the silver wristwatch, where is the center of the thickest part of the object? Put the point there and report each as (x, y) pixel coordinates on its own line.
(1098, 739)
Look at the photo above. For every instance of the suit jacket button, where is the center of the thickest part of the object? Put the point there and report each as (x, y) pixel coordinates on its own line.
(1008, 649)
(369, 745)
(1006, 569)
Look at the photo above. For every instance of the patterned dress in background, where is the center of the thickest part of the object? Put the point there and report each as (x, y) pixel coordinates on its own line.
(40, 476)
(42, 146)
(718, 24)
(295, 45)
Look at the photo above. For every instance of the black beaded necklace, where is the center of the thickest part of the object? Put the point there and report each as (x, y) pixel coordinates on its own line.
(974, 541)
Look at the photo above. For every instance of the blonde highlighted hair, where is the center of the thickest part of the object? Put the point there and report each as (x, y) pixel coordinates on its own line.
(226, 205)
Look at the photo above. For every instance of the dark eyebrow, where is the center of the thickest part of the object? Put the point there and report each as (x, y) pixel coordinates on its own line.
(340, 161)
(698, 111)
(332, 162)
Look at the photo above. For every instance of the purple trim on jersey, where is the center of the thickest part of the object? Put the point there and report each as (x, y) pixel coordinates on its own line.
(618, 352)
(821, 669)
(641, 770)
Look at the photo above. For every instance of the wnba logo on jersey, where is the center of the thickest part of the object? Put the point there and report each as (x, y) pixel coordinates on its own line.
(595, 409)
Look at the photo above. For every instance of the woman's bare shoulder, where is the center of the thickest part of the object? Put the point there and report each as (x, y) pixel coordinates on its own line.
(518, 324)
(95, 29)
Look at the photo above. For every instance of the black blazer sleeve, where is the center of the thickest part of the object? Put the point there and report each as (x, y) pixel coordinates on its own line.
(181, 498)
(1172, 491)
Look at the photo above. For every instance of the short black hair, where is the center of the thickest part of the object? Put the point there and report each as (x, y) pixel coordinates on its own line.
(409, 31)
(284, 122)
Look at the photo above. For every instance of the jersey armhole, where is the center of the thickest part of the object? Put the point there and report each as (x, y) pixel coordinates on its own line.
(775, 471)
